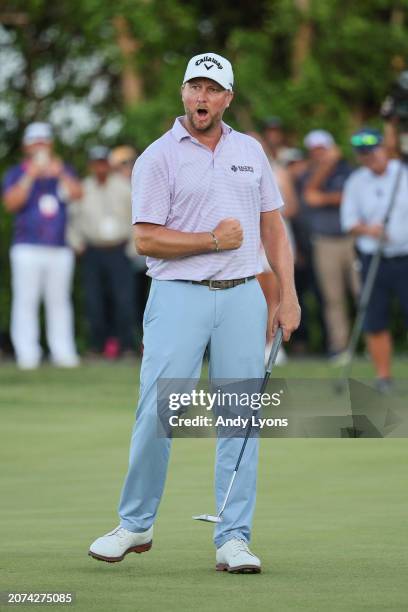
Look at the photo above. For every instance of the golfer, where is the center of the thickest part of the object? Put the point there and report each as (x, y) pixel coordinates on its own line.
(366, 200)
(203, 197)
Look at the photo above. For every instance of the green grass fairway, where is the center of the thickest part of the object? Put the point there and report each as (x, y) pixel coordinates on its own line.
(330, 526)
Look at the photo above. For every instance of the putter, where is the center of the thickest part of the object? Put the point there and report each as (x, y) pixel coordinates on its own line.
(210, 518)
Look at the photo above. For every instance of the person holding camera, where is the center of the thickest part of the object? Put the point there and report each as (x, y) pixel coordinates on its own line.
(36, 191)
(394, 111)
(366, 213)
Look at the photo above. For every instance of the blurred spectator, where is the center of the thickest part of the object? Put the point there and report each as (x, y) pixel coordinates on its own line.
(100, 232)
(122, 159)
(333, 251)
(275, 139)
(298, 167)
(366, 200)
(36, 192)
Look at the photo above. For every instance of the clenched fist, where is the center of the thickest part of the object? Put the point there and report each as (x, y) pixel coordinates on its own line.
(229, 234)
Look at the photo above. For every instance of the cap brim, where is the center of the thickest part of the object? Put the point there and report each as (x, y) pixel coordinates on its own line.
(30, 141)
(365, 150)
(204, 76)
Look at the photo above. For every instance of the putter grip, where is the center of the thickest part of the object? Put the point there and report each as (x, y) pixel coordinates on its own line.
(276, 344)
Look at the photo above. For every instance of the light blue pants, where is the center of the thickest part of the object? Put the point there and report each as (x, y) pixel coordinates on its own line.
(180, 320)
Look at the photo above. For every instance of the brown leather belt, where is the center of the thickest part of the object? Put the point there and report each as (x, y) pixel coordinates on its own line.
(222, 284)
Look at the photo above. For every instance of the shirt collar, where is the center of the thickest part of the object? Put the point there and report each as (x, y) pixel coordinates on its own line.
(388, 172)
(179, 131)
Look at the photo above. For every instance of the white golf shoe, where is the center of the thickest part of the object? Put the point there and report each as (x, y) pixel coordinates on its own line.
(113, 546)
(235, 557)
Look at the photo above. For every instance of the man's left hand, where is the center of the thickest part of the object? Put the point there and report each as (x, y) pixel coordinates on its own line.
(316, 198)
(287, 317)
(55, 168)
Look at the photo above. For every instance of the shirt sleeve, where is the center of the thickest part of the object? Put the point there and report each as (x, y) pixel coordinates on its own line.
(150, 190)
(11, 177)
(68, 169)
(271, 198)
(349, 209)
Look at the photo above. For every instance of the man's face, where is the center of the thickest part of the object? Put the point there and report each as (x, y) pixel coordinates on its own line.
(317, 154)
(42, 147)
(204, 102)
(100, 168)
(376, 160)
(274, 136)
(125, 167)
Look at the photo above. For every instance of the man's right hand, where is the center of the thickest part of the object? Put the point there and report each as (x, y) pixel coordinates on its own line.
(332, 155)
(229, 234)
(33, 170)
(375, 230)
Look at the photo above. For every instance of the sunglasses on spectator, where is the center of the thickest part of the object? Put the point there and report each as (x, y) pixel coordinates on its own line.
(365, 140)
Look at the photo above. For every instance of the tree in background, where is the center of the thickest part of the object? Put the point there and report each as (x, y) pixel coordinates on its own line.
(100, 69)
(110, 72)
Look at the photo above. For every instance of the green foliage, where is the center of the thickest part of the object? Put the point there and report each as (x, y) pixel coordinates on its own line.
(348, 68)
(67, 66)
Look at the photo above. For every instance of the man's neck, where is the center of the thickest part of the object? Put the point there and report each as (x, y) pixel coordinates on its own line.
(381, 171)
(210, 139)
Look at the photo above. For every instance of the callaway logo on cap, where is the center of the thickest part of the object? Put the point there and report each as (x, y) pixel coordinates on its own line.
(210, 66)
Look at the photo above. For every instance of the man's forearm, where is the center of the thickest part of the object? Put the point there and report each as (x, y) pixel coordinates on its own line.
(363, 229)
(279, 254)
(280, 257)
(317, 198)
(164, 243)
(16, 197)
(72, 186)
(321, 173)
(281, 261)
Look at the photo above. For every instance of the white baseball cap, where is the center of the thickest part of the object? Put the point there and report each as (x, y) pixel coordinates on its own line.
(210, 66)
(318, 138)
(37, 132)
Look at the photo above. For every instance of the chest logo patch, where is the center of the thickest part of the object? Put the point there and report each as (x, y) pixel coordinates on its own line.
(242, 168)
(48, 205)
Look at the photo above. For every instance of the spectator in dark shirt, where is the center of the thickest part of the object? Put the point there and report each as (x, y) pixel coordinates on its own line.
(274, 138)
(298, 166)
(333, 251)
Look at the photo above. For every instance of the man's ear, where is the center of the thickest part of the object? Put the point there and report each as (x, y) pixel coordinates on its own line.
(230, 98)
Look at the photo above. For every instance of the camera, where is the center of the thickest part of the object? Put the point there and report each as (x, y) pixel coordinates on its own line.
(395, 107)
(395, 104)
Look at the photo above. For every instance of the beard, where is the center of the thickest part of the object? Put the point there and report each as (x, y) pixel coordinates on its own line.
(201, 125)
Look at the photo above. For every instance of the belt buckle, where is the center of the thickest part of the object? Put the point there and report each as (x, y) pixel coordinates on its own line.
(211, 288)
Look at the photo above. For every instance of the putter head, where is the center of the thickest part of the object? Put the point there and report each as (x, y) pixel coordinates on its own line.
(208, 518)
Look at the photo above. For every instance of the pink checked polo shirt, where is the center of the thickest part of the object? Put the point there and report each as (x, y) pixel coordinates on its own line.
(181, 184)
